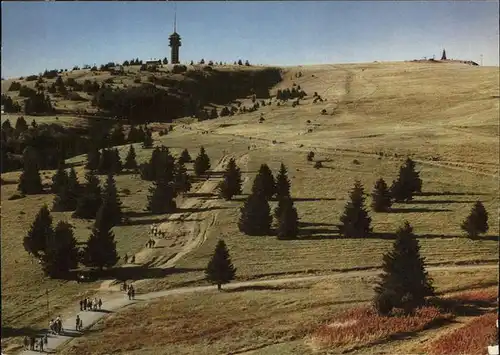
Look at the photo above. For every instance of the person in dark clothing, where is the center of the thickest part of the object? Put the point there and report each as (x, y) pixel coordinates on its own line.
(99, 304)
(81, 305)
(32, 343)
(26, 342)
(84, 304)
(77, 322)
(41, 345)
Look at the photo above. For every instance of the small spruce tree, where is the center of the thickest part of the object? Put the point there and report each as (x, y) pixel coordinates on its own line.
(41, 229)
(161, 197)
(30, 182)
(404, 282)
(147, 143)
(90, 200)
(264, 182)
(100, 250)
(110, 194)
(282, 183)
(231, 185)
(130, 162)
(59, 180)
(288, 221)
(255, 216)
(355, 222)
(185, 157)
(61, 254)
(201, 163)
(220, 270)
(381, 197)
(407, 183)
(182, 181)
(476, 222)
(93, 158)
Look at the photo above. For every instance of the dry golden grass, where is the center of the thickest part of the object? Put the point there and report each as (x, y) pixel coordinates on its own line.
(447, 112)
(237, 320)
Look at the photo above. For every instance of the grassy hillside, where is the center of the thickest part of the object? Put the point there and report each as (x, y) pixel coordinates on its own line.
(444, 116)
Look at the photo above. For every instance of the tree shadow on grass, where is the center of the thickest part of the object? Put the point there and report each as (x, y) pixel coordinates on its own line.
(199, 194)
(261, 288)
(315, 224)
(418, 210)
(309, 232)
(437, 202)
(202, 209)
(159, 220)
(449, 193)
(9, 332)
(130, 273)
(312, 199)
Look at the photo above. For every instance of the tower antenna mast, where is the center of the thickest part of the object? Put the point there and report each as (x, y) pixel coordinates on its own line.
(175, 16)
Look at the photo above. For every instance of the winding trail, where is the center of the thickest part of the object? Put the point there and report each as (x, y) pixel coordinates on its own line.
(114, 302)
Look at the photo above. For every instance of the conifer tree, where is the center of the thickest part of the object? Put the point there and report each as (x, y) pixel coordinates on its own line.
(67, 197)
(283, 203)
(90, 200)
(264, 182)
(100, 250)
(355, 221)
(148, 139)
(30, 182)
(220, 270)
(201, 163)
(61, 253)
(185, 157)
(182, 180)
(381, 197)
(134, 135)
(161, 196)
(407, 183)
(116, 163)
(255, 217)
(404, 282)
(130, 162)
(282, 183)
(288, 221)
(93, 158)
(41, 229)
(117, 135)
(59, 180)
(476, 222)
(105, 161)
(231, 185)
(110, 194)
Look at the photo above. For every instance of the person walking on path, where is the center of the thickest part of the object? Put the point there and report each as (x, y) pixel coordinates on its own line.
(32, 343)
(77, 325)
(26, 342)
(80, 325)
(81, 305)
(85, 304)
(41, 345)
(99, 304)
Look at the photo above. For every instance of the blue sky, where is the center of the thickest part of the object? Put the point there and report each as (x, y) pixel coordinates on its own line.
(49, 35)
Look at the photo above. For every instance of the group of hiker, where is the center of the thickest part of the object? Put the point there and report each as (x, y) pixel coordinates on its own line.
(55, 326)
(151, 243)
(90, 305)
(126, 259)
(31, 343)
(129, 289)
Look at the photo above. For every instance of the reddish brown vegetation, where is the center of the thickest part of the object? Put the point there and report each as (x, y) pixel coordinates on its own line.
(473, 338)
(362, 326)
(484, 295)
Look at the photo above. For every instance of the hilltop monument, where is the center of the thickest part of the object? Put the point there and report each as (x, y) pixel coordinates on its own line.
(443, 57)
(175, 42)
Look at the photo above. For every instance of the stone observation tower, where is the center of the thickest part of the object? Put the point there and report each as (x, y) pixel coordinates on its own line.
(175, 43)
(443, 56)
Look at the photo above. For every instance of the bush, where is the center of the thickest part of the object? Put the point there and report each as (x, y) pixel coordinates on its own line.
(32, 78)
(179, 68)
(318, 165)
(15, 86)
(310, 156)
(74, 96)
(137, 80)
